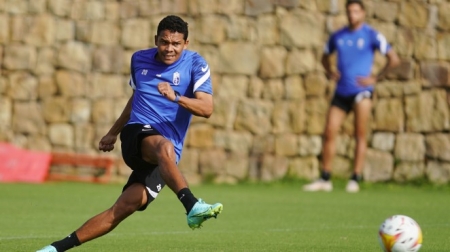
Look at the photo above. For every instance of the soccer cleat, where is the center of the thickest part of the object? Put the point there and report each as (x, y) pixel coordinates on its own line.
(48, 248)
(318, 185)
(352, 186)
(201, 212)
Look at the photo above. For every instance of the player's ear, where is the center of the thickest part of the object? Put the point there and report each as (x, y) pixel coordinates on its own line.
(186, 44)
(156, 40)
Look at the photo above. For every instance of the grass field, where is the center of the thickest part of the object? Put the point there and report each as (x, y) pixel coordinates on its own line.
(263, 217)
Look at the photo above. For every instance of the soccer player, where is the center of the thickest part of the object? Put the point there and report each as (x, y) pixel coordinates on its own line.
(355, 46)
(169, 84)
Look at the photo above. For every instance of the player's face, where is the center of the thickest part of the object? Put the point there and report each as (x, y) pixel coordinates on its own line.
(170, 46)
(355, 15)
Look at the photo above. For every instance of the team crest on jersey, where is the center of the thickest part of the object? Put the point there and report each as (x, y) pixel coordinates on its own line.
(360, 43)
(176, 78)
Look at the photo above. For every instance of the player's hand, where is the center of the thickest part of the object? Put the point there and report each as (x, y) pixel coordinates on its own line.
(334, 76)
(166, 90)
(366, 81)
(107, 143)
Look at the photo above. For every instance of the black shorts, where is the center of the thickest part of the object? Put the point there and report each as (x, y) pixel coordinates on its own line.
(143, 173)
(346, 102)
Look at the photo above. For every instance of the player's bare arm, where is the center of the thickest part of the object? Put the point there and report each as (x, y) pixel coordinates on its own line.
(201, 105)
(331, 75)
(107, 142)
(392, 61)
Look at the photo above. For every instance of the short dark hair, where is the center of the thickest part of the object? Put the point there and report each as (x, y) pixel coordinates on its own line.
(173, 24)
(349, 2)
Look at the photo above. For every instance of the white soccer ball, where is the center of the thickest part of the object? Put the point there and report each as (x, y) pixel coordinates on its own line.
(400, 233)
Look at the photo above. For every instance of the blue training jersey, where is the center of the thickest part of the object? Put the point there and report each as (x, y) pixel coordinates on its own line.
(189, 74)
(355, 57)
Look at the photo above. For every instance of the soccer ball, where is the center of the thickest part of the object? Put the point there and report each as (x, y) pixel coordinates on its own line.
(400, 233)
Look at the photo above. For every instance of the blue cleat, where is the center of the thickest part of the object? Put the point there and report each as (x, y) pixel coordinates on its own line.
(48, 248)
(201, 212)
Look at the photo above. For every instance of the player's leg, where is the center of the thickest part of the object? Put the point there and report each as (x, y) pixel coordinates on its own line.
(335, 116)
(133, 198)
(362, 110)
(159, 150)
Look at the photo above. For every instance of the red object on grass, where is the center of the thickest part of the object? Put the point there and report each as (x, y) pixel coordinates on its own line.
(19, 165)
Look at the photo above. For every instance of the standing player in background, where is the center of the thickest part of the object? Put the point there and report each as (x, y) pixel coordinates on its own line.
(355, 46)
(170, 84)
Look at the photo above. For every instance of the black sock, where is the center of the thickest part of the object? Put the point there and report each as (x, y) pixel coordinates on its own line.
(356, 177)
(325, 175)
(67, 243)
(187, 199)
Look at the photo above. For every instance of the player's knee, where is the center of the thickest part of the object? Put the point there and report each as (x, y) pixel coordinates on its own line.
(166, 150)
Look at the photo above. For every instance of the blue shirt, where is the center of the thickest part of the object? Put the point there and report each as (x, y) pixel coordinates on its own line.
(355, 51)
(189, 74)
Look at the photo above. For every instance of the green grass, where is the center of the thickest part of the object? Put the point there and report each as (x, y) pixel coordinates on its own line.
(262, 217)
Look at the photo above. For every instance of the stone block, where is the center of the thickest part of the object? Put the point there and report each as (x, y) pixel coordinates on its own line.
(174, 7)
(409, 171)
(404, 45)
(201, 136)
(136, 33)
(410, 147)
(71, 83)
(298, 116)
(230, 6)
(22, 86)
(309, 145)
(315, 84)
(56, 110)
(443, 43)
(286, 145)
(27, 118)
(388, 115)
(4, 28)
(444, 19)
(108, 59)
(75, 56)
(386, 11)
(272, 62)
(84, 137)
(245, 62)
(404, 71)
(6, 113)
(304, 167)
(19, 57)
(233, 87)
(255, 8)
(189, 162)
(274, 168)
(413, 14)
(435, 74)
(212, 29)
(316, 109)
(273, 89)
(294, 26)
(281, 117)
(425, 47)
(237, 165)
(47, 86)
(105, 33)
(236, 142)
(267, 30)
(112, 10)
(427, 112)
(46, 61)
(383, 141)
(224, 112)
(438, 146)
(438, 172)
(379, 166)
(80, 110)
(293, 86)
(37, 6)
(61, 8)
(254, 116)
(342, 167)
(106, 85)
(102, 112)
(300, 62)
(212, 162)
(61, 134)
(42, 31)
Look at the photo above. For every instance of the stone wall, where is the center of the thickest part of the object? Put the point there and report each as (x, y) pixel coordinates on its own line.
(65, 67)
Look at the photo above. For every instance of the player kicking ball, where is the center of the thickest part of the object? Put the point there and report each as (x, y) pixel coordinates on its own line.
(170, 84)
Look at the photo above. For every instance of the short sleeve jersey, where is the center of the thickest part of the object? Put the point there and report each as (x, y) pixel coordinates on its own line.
(189, 74)
(355, 55)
